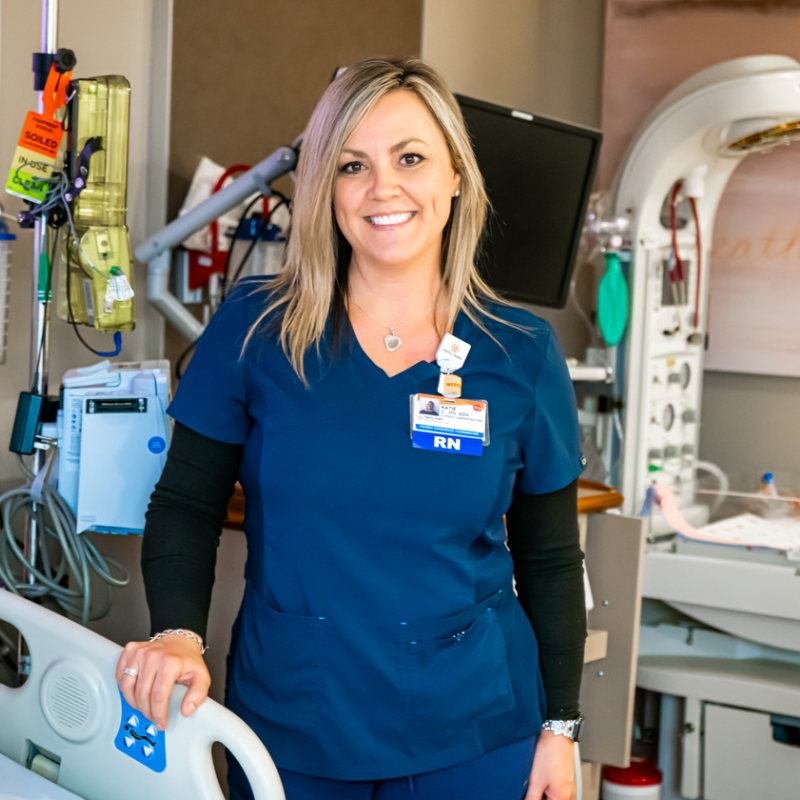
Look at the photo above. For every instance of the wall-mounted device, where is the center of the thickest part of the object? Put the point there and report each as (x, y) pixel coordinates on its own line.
(538, 174)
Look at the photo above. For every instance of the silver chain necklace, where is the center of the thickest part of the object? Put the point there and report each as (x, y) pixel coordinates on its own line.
(392, 341)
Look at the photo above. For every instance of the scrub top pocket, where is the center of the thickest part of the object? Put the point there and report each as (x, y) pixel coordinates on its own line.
(277, 669)
(457, 677)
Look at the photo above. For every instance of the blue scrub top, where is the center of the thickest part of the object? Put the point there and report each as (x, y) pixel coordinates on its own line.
(379, 635)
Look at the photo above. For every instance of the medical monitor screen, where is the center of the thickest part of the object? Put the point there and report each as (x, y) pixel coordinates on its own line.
(538, 174)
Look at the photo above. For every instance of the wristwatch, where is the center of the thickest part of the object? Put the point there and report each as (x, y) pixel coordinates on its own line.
(571, 728)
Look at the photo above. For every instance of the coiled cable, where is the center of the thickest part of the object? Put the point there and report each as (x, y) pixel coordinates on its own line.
(76, 559)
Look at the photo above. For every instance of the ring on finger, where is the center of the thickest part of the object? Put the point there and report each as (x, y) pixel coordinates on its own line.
(131, 671)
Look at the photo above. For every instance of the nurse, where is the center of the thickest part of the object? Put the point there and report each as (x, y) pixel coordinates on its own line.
(380, 650)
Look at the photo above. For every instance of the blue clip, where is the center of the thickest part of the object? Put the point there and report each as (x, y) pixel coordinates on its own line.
(117, 344)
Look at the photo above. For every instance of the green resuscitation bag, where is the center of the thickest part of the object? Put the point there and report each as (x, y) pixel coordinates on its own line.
(612, 301)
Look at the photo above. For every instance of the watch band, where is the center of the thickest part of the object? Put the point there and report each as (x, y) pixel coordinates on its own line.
(564, 727)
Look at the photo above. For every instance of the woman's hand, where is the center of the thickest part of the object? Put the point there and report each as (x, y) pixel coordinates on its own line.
(553, 773)
(159, 666)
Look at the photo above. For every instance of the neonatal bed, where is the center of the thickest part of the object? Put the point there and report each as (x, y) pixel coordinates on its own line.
(70, 722)
(719, 645)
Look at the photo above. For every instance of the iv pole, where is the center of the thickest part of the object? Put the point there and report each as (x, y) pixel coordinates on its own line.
(40, 329)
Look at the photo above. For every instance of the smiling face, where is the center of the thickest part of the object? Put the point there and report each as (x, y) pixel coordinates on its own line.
(394, 185)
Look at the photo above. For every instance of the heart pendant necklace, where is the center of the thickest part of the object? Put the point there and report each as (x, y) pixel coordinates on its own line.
(392, 341)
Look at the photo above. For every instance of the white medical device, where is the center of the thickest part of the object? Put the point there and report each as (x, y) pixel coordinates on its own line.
(724, 696)
(68, 721)
(697, 135)
(113, 434)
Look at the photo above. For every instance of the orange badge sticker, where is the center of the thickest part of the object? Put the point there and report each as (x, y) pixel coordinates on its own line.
(450, 385)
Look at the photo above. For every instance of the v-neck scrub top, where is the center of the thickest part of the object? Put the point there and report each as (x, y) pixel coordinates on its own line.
(379, 635)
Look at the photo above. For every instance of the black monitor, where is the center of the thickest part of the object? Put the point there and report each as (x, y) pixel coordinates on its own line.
(538, 175)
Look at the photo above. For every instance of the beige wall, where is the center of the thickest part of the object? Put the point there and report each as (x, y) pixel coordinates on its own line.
(544, 56)
(485, 50)
(569, 60)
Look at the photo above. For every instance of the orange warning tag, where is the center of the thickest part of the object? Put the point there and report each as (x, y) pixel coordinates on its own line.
(41, 135)
(34, 157)
(37, 149)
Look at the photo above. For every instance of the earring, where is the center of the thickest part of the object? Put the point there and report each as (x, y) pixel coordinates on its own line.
(457, 193)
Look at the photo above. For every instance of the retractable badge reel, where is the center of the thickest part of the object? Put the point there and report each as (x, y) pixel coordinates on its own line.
(446, 421)
(450, 356)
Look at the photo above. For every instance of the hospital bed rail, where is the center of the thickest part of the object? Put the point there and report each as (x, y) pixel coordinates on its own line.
(71, 717)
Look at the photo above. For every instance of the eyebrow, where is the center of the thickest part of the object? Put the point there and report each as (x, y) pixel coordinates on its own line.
(393, 149)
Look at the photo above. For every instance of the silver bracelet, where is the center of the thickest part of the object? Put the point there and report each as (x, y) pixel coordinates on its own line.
(181, 632)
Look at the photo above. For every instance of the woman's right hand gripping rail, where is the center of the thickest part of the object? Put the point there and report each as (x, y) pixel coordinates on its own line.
(148, 671)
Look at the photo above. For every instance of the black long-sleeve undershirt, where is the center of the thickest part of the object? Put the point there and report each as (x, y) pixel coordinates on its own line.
(544, 541)
(182, 529)
(188, 508)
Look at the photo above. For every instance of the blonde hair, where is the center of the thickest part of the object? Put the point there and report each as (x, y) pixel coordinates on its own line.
(311, 282)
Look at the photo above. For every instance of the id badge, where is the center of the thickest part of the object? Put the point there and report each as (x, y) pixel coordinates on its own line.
(451, 425)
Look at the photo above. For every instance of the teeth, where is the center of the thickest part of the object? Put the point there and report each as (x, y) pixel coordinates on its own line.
(391, 219)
